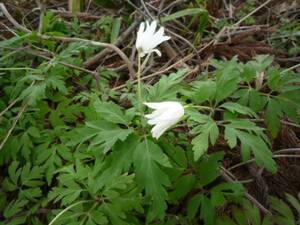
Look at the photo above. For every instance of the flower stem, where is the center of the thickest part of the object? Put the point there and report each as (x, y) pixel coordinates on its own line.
(140, 98)
(198, 107)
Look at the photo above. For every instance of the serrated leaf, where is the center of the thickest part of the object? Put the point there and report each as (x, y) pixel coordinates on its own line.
(14, 207)
(208, 168)
(294, 202)
(237, 108)
(147, 158)
(206, 132)
(193, 206)
(203, 91)
(100, 134)
(273, 113)
(228, 77)
(261, 62)
(166, 88)
(230, 137)
(256, 100)
(207, 211)
(182, 186)
(273, 78)
(219, 192)
(261, 151)
(122, 154)
(34, 93)
(285, 215)
(111, 112)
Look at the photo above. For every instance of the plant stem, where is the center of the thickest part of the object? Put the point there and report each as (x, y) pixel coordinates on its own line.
(66, 209)
(199, 107)
(76, 5)
(140, 98)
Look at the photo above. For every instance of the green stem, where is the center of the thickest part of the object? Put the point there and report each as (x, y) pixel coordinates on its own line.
(291, 68)
(198, 107)
(66, 209)
(76, 5)
(140, 98)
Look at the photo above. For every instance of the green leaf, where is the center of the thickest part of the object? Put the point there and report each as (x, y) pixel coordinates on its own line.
(193, 206)
(17, 39)
(273, 78)
(107, 136)
(273, 114)
(203, 91)
(98, 217)
(147, 158)
(100, 134)
(255, 143)
(294, 202)
(31, 176)
(224, 220)
(182, 13)
(115, 30)
(285, 215)
(207, 211)
(260, 149)
(68, 193)
(34, 93)
(122, 154)
(111, 112)
(208, 130)
(228, 77)
(223, 190)
(262, 62)
(167, 87)
(256, 100)
(55, 81)
(237, 108)
(208, 168)
(182, 187)
(14, 207)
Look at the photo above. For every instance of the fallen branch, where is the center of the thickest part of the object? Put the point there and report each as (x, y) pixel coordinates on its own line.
(96, 58)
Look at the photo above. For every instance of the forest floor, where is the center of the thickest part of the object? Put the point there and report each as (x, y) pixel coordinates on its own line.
(242, 28)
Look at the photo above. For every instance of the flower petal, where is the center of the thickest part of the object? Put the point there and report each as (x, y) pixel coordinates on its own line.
(148, 39)
(159, 129)
(166, 114)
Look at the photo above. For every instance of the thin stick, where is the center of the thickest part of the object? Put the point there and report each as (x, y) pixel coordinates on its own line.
(253, 160)
(12, 20)
(99, 44)
(231, 178)
(179, 62)
(291, 68)
(22, 109)
(251, 13)
(9, 106)
(96, 58)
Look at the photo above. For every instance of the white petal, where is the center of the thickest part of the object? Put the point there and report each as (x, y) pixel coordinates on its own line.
(159, 129)
(152, 28)
(154, 105)
(157, 52)
(156, 113)
(166, 114)
(148, 39)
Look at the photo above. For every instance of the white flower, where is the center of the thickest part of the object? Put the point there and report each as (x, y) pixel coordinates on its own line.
(147, 39)
(166, 114)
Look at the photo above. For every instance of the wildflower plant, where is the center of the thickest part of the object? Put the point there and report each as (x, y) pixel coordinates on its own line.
(86, 156)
